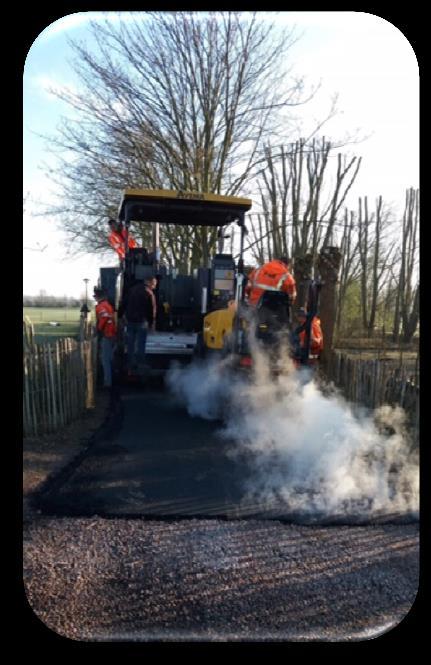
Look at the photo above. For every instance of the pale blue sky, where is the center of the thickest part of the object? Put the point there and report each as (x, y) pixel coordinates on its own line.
(363, 58)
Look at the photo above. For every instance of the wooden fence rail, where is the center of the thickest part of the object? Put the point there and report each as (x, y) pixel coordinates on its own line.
(376, 382)
(59, 382)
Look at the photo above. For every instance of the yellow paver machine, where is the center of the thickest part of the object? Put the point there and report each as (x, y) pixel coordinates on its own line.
(196, 312)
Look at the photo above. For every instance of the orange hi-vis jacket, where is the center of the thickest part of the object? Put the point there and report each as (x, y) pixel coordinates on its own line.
(118, 242)
(106, 319)
(316, 337)
(272, 276)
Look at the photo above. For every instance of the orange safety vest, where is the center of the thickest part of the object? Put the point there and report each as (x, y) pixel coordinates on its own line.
(272, 276)
(132, 241)
(118, 240)
(316, 337)
(105, 319)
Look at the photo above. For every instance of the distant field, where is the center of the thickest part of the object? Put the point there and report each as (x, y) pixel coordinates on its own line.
(61, 314)
(42, 316)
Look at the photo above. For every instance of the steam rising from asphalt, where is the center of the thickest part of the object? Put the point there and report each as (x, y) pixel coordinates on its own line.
(302, 448)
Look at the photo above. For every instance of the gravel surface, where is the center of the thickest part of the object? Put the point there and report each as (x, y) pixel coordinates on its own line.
(98, 579)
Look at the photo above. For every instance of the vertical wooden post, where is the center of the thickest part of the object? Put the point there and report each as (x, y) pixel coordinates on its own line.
(59, 384)
(72, 377)
(53, 387)
(89, 403)
(36, 388)
(66, 380)
(303, 266)
(41, 389)
(48, 405)
(28, 425)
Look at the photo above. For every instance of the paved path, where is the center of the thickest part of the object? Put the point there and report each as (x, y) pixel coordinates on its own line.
(161, 462)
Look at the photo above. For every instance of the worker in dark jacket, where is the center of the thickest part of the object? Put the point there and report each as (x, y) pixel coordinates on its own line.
(117, 238)
(141, 311)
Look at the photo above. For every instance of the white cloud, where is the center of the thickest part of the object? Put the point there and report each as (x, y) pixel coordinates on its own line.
(49, 85)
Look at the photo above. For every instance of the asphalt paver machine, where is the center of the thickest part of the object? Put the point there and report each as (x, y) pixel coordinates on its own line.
(196, 312)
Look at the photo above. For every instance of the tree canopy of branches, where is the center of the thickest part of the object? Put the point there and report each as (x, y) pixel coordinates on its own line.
(375, 257)
(300, 206)
(304, 212)
(178, 100)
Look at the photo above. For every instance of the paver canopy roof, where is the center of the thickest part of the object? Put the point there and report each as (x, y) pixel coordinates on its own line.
(178, 207)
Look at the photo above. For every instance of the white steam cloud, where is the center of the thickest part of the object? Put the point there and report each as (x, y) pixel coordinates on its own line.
(306, 452)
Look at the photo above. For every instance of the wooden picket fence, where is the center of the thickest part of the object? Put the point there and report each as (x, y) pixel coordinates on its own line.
(58, 381)
(27, 333)
(376, 382)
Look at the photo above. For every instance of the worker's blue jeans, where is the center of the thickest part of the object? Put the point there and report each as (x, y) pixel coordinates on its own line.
(107, 351)
(136, 341)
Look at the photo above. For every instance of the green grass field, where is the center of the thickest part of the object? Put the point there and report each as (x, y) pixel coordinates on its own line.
(46, 314)
(44, 332)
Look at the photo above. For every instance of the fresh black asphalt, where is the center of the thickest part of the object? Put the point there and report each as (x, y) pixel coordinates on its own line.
(152, 459)
(161, 461)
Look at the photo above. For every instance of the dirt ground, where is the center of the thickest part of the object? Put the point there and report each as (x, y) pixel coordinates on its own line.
(45, 456)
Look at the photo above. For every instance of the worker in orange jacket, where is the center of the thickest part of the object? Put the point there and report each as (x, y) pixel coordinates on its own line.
(272, 276)
(316, 336)
(117, 238)
(107, 330)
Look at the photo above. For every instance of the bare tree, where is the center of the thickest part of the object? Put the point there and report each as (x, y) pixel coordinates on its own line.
(349, 266)
(180, 100)
(407, 302)
(328, 265)
(376, 259)
(293, 183)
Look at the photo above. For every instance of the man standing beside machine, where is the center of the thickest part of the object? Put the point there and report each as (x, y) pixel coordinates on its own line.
(141, 312)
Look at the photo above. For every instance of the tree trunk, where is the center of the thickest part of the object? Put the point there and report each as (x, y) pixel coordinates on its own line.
(328, 264)
(302, 273)
(413, 320)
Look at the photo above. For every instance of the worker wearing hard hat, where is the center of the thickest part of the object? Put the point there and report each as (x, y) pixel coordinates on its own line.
(316, 336)
(117, 238)
(272, 276)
